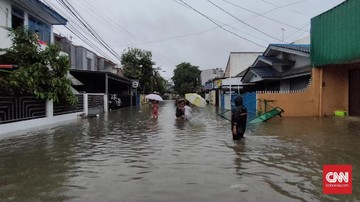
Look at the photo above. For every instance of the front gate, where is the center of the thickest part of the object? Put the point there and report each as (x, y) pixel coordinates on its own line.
(249, 100)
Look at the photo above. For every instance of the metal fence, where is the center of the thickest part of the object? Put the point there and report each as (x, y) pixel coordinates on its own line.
(19, 108)
(26, 107)
(63, 108)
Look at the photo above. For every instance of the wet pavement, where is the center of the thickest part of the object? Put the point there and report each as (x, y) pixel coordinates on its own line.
(127, 156)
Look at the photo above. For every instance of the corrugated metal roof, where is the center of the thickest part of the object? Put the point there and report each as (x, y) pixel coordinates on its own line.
(335, 35)
(298, 47)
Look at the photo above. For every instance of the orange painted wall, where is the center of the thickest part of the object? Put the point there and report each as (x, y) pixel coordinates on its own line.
(328, 91)
(335, 89)
(299, 104)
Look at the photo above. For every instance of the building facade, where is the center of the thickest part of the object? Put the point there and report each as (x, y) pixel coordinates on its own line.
(34, 15)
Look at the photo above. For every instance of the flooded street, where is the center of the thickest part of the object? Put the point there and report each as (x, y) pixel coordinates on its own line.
(125, 156)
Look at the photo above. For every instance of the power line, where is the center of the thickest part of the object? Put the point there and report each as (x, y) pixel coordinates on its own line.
(242, 21)
(88, 27)
(261, 15)
(303, 26)
(111, 22)
(283, 6)
(81, 34)
(221, 26)
(91, 44)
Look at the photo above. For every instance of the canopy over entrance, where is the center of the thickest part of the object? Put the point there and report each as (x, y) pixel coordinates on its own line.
(100, 82)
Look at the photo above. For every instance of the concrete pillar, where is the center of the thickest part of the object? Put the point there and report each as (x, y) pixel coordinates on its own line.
(106, 103)
(49, 108)
(86, 104)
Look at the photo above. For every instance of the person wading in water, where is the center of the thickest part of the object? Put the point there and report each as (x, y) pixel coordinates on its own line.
(180, 109)
(238, 119)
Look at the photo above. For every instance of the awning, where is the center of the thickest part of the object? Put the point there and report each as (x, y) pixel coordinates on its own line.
(41, 10)
(100, 82)
(7, 66)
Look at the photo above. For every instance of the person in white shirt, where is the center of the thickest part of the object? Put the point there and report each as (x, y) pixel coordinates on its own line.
(187, 112)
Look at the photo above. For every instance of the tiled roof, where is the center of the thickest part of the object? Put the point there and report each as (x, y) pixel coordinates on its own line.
(298, 47)
(297, 71)
(266, 72)
(275, 60)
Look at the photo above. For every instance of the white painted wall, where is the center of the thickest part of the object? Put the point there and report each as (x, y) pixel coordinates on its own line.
(5, 23)
(239, 61)
(208, 74)
(21, 127)
(305, 40)
(300, 61)
(234, 81)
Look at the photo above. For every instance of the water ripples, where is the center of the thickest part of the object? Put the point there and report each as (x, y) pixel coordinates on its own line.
(125, 155)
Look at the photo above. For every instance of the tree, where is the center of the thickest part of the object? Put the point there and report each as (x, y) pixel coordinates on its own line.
(186, 78)
(39, 71)
(138, 64)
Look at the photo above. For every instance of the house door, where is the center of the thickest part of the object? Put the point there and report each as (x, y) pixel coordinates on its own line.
(354, 92)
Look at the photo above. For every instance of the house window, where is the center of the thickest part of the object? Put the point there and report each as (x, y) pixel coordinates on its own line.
(17, 17)
(42, 30)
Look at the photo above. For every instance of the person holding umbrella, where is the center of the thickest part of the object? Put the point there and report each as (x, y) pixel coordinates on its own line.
(154, 98)
(155, 109)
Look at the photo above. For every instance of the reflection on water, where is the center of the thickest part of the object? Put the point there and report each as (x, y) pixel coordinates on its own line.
(126, 155)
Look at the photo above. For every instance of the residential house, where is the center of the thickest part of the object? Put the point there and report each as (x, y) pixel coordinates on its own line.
(95, 73)
(335, 72)
(282, 67)
(231, 84)
(38, 18)
(284, 78)
(33, 14)
(209, 74)
(239, 61)
(335, 54)
(236, 66)
(206, 80)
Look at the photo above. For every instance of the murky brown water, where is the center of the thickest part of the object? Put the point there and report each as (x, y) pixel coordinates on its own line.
(124, 156)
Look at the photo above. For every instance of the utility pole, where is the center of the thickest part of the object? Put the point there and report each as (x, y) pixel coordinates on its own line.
(283, 30)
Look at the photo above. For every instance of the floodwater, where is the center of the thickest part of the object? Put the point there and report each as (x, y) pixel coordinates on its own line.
(125, 156)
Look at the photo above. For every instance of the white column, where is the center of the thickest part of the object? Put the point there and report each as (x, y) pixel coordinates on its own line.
(106, 103)
(49, 108)
(86, 104)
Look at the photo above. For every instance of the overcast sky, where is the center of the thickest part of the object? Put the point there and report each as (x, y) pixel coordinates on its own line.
(202, 32)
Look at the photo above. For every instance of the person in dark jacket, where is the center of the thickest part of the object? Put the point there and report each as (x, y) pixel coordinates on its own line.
(238, 119)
